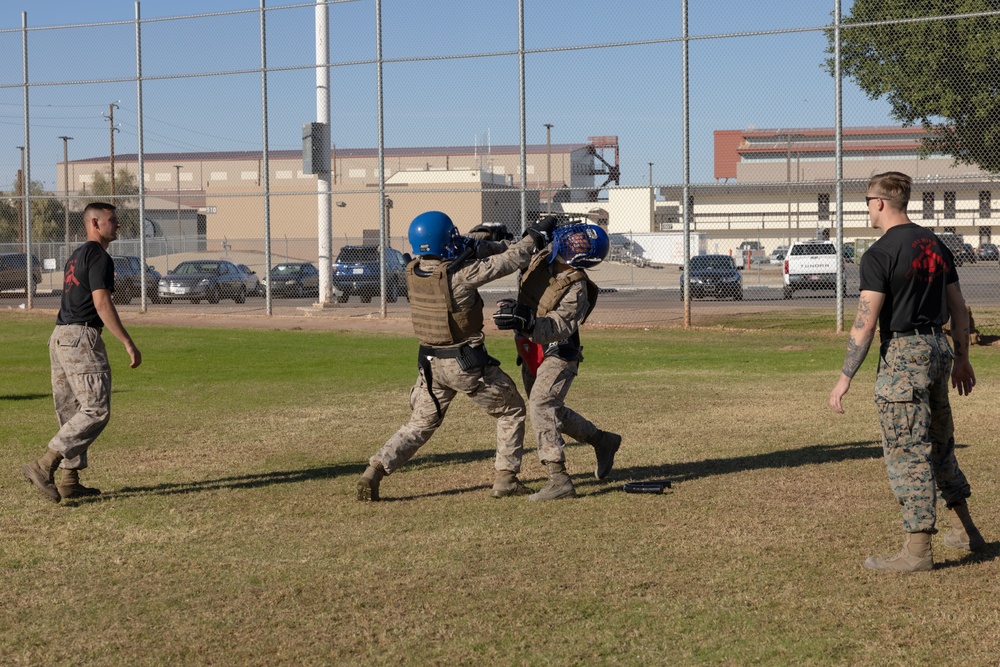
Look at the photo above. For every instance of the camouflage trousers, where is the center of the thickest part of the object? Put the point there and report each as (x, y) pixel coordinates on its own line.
(489, 388)
(918, 443)
(81, 390)
(550, 418)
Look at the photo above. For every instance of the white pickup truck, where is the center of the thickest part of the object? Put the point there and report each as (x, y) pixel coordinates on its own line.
(811, 265)
(749, 253)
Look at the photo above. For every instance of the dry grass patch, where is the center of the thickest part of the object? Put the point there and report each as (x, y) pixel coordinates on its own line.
(229, 533)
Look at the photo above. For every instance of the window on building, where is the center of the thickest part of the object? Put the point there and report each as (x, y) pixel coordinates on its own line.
(985, 203)
(823, 205)
(949, 205)
(928, 206)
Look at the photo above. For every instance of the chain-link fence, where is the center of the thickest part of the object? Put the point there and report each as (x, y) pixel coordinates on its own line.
(302, 134)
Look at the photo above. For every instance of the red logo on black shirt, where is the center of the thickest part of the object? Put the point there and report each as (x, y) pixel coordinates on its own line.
(70, 276)
(929, 263)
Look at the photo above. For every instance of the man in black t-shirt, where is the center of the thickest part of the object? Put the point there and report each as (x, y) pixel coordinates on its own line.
(909, 287)
(81, 374)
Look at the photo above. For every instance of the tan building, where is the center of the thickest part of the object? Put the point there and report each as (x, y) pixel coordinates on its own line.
(472, 184)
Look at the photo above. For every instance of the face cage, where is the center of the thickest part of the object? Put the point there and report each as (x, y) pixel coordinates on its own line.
(574, 245)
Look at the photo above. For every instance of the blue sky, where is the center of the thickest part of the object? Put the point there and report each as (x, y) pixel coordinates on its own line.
(738, 79)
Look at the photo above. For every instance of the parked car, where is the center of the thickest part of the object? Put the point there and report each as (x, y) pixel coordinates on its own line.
(988, 252)
(294, 279)
(14, 272)
(848, 252)
(209, 280)
(962, 252)
(778, 254)
(713, 275)
(356, 271)
(128, 280)
(250, 280)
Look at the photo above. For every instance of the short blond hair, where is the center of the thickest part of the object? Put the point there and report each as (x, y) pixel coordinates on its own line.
(893, 187)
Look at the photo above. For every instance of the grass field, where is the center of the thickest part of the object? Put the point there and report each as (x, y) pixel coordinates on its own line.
(228, 533)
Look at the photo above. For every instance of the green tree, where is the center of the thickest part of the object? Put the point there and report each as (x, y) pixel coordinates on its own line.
(8, 219)
(126, 198)
(47, 215)
(942, 73)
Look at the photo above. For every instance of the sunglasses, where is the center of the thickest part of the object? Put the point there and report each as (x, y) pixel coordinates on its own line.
(868, 200)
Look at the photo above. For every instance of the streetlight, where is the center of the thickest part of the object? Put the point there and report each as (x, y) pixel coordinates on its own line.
(66, 187)
(178, 168)
(652, 201)
(388, 225)
(548, 164)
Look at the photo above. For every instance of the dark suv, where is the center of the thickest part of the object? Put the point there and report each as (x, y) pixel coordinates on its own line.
(128, 279)
(357, 272)
(14, 272)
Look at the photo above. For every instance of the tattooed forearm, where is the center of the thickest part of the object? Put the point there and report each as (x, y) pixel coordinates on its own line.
(864, 310)
(960, 339)
(856, 353)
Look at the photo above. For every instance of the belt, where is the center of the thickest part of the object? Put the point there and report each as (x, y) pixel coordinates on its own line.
(919, 331)
(87, 325)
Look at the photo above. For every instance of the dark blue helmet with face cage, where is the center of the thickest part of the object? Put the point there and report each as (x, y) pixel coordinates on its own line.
(580, 245)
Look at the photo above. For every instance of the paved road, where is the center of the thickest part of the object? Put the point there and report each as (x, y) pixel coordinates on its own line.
(631, 295)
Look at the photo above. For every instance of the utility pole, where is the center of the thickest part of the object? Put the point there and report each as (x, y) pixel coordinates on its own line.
(110, 117)
(66, 141)
(548, 164)
(652, 201)
(178, 168)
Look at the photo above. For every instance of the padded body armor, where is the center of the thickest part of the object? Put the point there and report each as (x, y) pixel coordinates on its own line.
(542, 291)
(436, 319)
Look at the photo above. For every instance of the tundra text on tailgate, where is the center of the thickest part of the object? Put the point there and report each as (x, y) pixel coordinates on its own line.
(811, 265)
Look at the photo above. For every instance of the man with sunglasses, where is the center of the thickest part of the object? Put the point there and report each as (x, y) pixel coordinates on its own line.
(909, 287)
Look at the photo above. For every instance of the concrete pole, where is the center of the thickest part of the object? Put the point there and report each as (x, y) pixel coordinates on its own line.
(324, 215)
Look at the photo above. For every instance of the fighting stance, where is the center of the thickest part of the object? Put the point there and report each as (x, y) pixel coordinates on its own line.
(81, 374)
(447, 313)
(909, 287)
(554, 299)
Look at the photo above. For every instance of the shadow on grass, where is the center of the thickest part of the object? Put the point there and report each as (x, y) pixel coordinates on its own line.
(291, 477)
(987, 554)
(785, 458)
(23, 397)
(234, 482)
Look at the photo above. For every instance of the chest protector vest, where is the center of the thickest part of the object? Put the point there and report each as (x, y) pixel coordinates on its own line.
(436, 318)
(542, 291)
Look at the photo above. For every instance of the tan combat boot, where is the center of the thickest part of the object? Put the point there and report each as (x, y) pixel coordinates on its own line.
(41, 473)
(916, 556)
(70, 487)
(963, 533)
(605, 444)
(368, 483)
(559, 485)
(506, 483)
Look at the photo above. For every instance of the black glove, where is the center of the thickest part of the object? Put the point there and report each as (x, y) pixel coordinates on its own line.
(514, 315)
(541, 231)
(480, 232)
(491, 233)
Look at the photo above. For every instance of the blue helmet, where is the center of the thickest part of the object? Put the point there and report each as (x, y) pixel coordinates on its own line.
(580, 245)
(433, 233)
